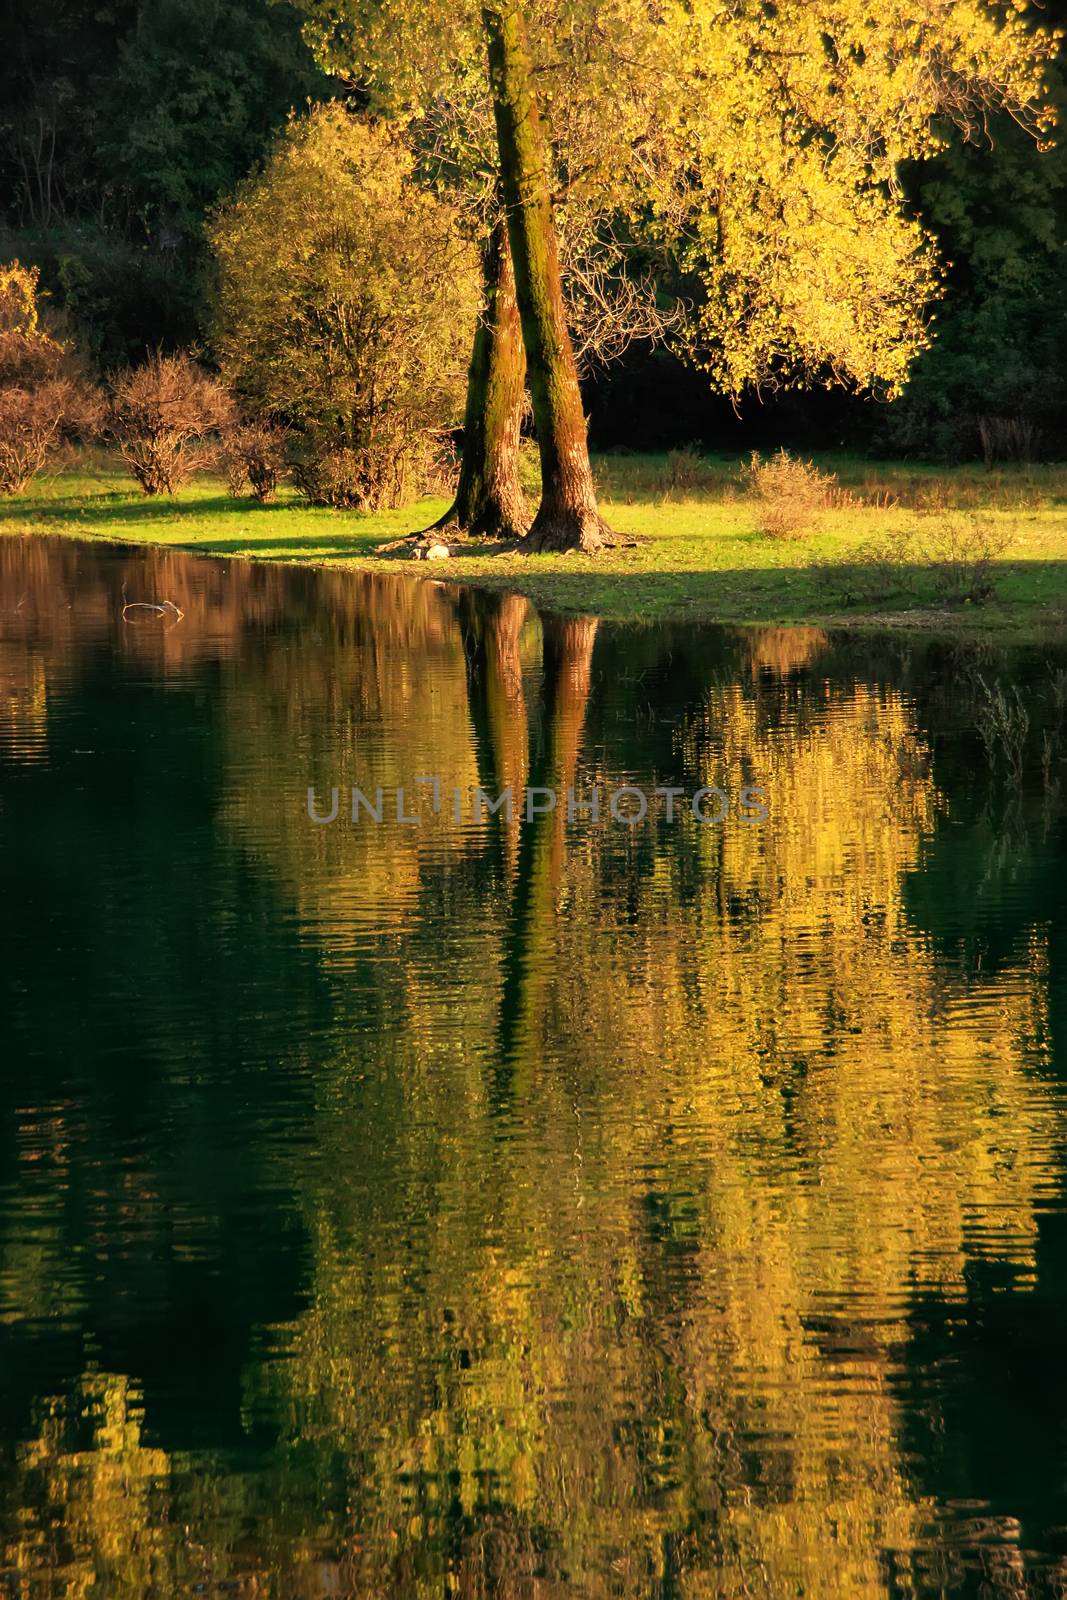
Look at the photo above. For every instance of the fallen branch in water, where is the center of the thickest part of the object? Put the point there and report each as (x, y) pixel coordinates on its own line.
(167, 607)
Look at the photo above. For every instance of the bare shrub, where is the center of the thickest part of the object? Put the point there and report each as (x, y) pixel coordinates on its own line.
(683, 469)
(35, 424)
(236, 472)
(161, 414)
(962, 553)
(46, 399)
(441, 473)
(1008, 439)
(882, 568)
(790, 495)
(253, 454)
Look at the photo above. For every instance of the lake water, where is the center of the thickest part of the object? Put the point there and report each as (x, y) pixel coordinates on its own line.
(493, 1206)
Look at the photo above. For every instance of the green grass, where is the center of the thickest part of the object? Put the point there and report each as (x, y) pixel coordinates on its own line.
(699, 551)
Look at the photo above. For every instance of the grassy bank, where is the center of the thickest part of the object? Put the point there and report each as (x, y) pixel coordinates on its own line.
(895, 545)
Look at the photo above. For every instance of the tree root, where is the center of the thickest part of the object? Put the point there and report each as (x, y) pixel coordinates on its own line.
(488, 528)
(558, 531)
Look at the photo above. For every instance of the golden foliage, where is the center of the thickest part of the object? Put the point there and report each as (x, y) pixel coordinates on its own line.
(346, 300)
(763, 141)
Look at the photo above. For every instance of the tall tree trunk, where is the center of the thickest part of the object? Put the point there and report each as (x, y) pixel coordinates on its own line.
(567, 518)
(489, 500)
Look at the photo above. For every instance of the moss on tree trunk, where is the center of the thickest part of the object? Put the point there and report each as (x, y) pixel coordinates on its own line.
(489, 500)
(567, 518)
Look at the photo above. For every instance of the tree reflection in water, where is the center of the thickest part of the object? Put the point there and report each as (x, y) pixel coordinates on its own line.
(508, 1207)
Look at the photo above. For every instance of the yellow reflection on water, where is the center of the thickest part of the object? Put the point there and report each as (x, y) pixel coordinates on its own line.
(625, 1167)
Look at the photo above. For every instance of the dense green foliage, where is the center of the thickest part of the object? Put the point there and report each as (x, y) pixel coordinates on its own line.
(122, 125)
(999, 208)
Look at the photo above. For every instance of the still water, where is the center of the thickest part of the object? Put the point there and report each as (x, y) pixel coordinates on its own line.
(513, 1207)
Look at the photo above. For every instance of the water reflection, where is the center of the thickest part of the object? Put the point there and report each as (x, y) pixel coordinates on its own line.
(506, 1207)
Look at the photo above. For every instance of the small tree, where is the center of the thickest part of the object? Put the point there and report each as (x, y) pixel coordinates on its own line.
(161, 412)
(346, 296)
(45, 397)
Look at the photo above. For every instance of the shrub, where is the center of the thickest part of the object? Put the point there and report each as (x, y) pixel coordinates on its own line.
(32, 426)
(396, 471)
(440, 476)
(347, 480)
(881, 568)
(889, 559)
(789, 494)
(161, 413)
(962, 552)
(45, 397)
(345, 303)
(530, 468)
(18, 300)
(683, 468)
(254, 456)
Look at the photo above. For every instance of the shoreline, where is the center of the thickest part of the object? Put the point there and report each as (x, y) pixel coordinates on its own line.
(698, 558)
(992, 622)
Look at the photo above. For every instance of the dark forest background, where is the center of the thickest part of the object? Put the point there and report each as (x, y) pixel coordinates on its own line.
(123, 123)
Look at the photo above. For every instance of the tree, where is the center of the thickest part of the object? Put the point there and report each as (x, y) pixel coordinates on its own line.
(764, 142)
(998, 207)
(401, 70)
(790, 201)
(345, 294)
(610, 293)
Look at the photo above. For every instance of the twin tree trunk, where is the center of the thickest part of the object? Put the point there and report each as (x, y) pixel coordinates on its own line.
(567, 518)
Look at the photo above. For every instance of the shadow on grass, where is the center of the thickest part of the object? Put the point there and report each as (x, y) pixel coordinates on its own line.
(301, 545)
(117, 507)
(328, 543)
